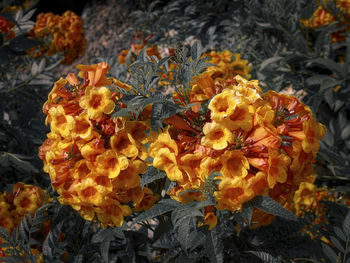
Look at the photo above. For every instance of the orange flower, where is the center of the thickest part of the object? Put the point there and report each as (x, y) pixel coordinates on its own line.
(147, 201)
(113, 214)
(233, 193)
(278, 166)
(121, 143)
(97, 101)
(90, 192)
(162, 140)
(240, 118)
(222, 105)
(235, 164)
(216, 136)
(110, 163)
(129, 178)
(96, 74)
(60, 122)
(166, 160)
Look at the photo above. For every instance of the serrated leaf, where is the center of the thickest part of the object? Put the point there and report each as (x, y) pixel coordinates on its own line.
(214, 247)
(152, 174)
(196, 50)
(269, 61)
(337, 244)
(339, 233)
(346, 224)
(22, 43)
(104, 248)
(184, 234)
(329, 252)
(162, 207)
(264, 256)
(267, 204)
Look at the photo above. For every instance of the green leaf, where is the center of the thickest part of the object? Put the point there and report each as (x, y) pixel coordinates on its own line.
(267, 204)
(184, 233)
(162, 207)
(264, 256)
(270, 61)
(22, 43)
(329, 252)
(337, 244)
(196, 50)
(346, 224)
(339, 233)
(213, 246)
(152, 174)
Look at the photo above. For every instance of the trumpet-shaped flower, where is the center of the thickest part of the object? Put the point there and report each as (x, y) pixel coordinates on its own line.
(233, 193)
(222, 105)
(235, 164)
(278, 166)
(216, 136)
(97, 101)
(129, 178)
(60, 122)
(90, 192)
(121, 143)
(166, 160)
(111, 163)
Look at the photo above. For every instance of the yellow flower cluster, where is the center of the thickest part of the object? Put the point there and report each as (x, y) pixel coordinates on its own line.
(261, 145)
(323, 17)
(59, 34)
(95, 161)
(25, 199)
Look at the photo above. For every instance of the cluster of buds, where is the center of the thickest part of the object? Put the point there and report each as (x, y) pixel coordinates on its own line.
(323, 17)
(6, 28)
(136, 49)
(95, 161)
(59, 34)
(25, 199)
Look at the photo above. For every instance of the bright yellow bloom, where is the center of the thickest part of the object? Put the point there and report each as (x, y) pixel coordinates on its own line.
(233, 193)
(121, 143)
(216, 136)
(111, 163)
(235, 164)
(247, 91)
(129, 178)
(278, 166)
(90, 192)
(258, 182)
(241, 118)
(97, 101)
(83, 127)
(136, 130)
(209, 165)
(60, 122)
(314, 131)
(113, 214)
(222, 105)
(191, 163)
(147, 201)
(166, 160)
(304, 196)
(163, 140)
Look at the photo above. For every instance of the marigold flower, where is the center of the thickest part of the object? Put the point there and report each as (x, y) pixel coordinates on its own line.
(216, 136)
(97, 101)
